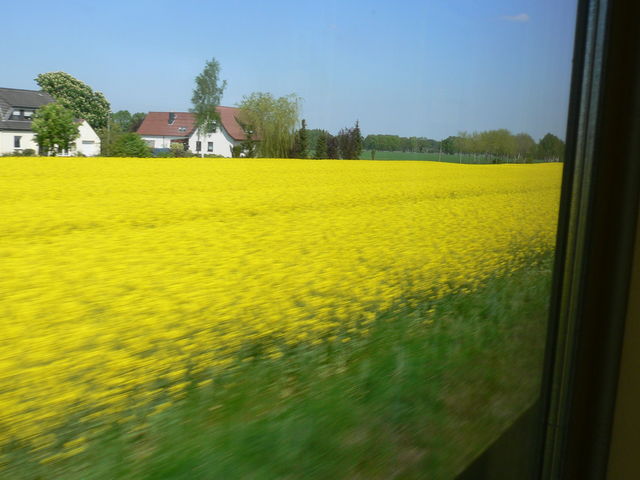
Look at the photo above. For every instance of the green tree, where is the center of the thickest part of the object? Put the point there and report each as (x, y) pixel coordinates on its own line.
(126, 121)
(502, 142)
(55, 129)
(300, 142)
(179, 150)
(109, 135)
(551, 148)
(248, 148)
(525, 146)
(206, 98)
(122, 118)
(273, 119)
(356, 141)
(343, 141)
(77, 97)
(461, 143)
(332, 147)
(136, 120)
(449, 145)
(350, 142)
(236, 151)
(312, 140)
(393, 143)
(321, 144)
(371, 142)
(130, 145)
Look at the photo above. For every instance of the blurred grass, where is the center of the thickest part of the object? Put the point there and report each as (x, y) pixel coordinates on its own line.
(419, 397)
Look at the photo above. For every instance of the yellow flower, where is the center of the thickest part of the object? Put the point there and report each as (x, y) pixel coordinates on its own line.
(122, 277)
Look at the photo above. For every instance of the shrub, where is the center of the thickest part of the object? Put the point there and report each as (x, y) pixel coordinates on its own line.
(27, 152)
(55, 129)
(130, 145)
(178, 150)
(236, 150)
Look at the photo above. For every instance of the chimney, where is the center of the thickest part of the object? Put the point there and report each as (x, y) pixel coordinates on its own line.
(172, 118)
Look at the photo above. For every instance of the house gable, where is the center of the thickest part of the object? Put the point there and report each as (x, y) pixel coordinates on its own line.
(168, 124)
(17, 107)
(183, 124)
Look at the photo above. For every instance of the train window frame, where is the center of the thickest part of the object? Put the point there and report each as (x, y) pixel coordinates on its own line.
(570, 425)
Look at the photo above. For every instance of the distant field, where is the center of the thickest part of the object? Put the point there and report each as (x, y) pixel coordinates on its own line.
(380, 155)
(433, 157)
(132, 288)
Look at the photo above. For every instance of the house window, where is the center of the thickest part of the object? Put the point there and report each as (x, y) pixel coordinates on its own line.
(21, 114)
(198, 146)
(209, 146)
(16, 141)
(87, 142)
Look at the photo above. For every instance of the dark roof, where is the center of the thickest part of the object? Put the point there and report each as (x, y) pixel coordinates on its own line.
(22, 125)
(5, 108)
(157, 123)
(17, 97)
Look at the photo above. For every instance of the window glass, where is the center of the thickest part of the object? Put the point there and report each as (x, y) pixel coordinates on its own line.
(360, 292)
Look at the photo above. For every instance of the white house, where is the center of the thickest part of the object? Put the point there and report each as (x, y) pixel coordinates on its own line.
(161, 129)
(17, 107)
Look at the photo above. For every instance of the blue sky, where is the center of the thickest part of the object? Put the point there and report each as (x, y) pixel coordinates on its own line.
(425, 68)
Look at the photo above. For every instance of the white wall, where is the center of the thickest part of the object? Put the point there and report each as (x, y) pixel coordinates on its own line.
(88, 143)
(27, 140)
(222, 143)
(159, 141)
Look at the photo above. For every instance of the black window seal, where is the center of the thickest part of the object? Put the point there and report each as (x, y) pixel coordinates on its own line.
(595, 243)
(570, 425)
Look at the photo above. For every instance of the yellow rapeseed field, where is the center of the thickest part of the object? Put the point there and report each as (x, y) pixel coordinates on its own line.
(123, 277)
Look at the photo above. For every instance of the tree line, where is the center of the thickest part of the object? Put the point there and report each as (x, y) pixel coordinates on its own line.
(501, 144)
(271, 125)
(396, 143)
(346, 144)
(497, 145)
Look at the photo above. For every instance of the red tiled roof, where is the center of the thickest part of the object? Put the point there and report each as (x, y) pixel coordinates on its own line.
(157, 123)
(229, 116)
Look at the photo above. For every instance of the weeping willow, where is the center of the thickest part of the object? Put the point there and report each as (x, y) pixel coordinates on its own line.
(272, 121)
